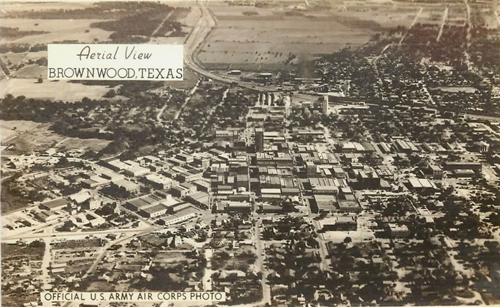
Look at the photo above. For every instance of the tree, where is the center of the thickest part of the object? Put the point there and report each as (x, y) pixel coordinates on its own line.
(110, 94)
(347, 240)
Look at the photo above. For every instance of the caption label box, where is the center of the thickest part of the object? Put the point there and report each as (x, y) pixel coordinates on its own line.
(132, 296)
(115, 62)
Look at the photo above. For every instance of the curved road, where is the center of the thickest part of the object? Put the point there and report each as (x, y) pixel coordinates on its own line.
(195, 41)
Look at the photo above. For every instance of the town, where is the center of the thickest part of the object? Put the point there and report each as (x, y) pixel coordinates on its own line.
(373, 182)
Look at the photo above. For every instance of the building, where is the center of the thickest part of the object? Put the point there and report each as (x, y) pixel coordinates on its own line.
(158, 181)
(139, 203)
(265, 208)
(181, 216)
(95, 220)
(398, 231)
(324, 203)
(341, 223)
(183, 190)
(153, 211)
(178, 207)
(55, 204)
(326, 185)
(128, 186)
(238, 207)
(190, 175)
(475, 166)
(349, 205)
(311, 169)
(199, 199)
(45, 216)
(421, 184)
(435, 171)
(259, 140)
(482, 146)
(202, 185)
(325, 105)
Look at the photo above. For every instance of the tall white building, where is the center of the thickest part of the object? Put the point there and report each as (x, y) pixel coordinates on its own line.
(325, 104)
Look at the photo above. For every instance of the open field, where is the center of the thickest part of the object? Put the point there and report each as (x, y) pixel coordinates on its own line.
(9, 6)
(267, 38)
(386, 15)
(59, 30)
(41, 139)
(11, 58)
(13, 127)
(30, 72)
(83, 144)
(270, 42)
(61, 90)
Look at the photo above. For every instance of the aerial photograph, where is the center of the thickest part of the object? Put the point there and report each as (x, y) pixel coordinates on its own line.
(315, 153)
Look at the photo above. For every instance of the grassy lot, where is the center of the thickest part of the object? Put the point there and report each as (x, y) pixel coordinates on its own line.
(41, 139)
(100, 286)
(72, 244)
(33, 251)
(11, 202)
(243, 258)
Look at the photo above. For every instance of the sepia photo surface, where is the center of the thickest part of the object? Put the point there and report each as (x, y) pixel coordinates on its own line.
(307, 153)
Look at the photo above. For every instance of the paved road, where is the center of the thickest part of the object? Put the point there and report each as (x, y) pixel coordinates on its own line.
(412, 24)
(207, 275)
(443, 21)
(161, 24)
(195, 41)
(103, 251)
(158, 116)
(62, 235)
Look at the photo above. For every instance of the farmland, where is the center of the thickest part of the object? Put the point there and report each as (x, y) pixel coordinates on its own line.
(61, 90)
(277, 35)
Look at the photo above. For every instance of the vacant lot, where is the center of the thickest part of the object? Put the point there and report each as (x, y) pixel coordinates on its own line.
(52, 90)
(59, 30)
